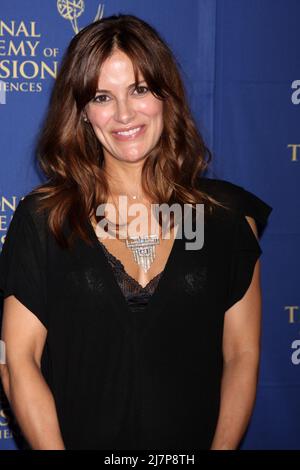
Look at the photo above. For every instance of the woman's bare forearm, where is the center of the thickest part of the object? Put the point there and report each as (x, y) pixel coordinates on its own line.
(238, 393)
(34, 407)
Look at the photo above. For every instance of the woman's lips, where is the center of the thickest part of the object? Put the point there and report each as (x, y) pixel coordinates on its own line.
(124, 138)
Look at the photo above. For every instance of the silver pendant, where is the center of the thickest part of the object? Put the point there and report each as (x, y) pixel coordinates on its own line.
(143, 249)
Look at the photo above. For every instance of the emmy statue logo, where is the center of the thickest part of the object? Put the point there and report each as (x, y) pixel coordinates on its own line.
(72, 9)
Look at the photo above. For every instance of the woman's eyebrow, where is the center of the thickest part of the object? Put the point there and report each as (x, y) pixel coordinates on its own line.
(129, 86)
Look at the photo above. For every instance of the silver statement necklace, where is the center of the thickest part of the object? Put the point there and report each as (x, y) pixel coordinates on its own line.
(142, 247)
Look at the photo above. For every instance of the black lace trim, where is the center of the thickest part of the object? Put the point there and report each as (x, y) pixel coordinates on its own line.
(129, 286)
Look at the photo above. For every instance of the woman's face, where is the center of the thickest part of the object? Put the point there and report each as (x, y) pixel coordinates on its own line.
(117, 106)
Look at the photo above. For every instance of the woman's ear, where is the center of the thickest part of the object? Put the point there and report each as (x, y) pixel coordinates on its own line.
(85, 117)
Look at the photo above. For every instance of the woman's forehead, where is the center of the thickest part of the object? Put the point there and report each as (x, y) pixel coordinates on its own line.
(117, 71)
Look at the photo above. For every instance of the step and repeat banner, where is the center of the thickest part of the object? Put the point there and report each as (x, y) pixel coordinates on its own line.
(241, 69)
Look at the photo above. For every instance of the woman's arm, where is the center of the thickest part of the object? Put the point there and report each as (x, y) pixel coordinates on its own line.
(241, 351)
(29, 395)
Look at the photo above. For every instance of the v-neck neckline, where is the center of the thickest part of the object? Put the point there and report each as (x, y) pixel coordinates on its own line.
(118, 262)
(156, 300)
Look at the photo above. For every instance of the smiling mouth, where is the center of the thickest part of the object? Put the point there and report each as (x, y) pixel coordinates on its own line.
(129, 135)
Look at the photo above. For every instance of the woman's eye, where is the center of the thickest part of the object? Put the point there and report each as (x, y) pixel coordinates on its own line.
(142, 87)
(100, 101)
(142, 90)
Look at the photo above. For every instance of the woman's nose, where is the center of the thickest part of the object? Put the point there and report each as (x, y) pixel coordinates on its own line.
(124, 111)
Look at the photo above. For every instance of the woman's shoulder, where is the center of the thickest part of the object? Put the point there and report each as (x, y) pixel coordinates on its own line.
(222, 189)
(28, 214)
(29, 205)
(240, 200)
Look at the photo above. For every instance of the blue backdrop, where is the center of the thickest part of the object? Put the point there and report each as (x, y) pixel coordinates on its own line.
(240, 65)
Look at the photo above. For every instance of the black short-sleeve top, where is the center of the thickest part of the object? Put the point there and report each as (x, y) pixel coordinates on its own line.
(134, 370)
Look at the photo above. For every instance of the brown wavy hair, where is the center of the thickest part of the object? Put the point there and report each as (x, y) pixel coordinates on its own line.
(71, 156)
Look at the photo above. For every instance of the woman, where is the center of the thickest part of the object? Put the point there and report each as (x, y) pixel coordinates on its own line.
(107, 348)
